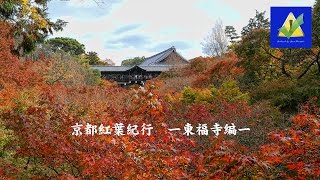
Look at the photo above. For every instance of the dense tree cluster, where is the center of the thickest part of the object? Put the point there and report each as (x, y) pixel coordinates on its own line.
(30, 23)
(43, 97)
(69, 45)
(133, 61)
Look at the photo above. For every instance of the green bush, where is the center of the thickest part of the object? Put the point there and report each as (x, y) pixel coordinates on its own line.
(229, 91)
(287, 93)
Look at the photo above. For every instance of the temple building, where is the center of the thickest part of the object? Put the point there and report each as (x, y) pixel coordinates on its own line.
(150, 68)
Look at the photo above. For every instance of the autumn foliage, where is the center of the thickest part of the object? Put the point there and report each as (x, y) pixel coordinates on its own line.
(223, 69)
(37, 115)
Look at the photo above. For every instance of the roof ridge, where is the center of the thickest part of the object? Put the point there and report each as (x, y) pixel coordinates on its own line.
(171, 48)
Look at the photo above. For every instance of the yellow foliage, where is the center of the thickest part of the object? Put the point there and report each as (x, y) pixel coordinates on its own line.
(28, 10)
(40, 21)
(229, 91)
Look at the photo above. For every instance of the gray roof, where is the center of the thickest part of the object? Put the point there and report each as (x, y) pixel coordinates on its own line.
(126, 68)
(150, 63)
(153, 60)
(156, 68)
(111, 68)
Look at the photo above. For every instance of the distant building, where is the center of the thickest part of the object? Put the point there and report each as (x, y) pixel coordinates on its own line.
(150, 68)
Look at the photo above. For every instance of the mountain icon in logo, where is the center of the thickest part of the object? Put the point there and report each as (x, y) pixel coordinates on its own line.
(292, 27)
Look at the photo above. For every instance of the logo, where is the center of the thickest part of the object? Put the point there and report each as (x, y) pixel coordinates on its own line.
(291, 27)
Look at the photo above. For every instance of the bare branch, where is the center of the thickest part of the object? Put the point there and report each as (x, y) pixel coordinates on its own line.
(216, 42)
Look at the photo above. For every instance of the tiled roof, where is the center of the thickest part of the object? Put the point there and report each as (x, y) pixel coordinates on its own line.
(150, 63)
(124, 68)
(157, 58)
(111, 68)
(156, 68)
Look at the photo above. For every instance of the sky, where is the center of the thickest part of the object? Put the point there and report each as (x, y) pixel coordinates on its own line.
(122, 29)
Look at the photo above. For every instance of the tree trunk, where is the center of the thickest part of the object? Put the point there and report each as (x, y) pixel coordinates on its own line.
(283, 69)
(308, 68)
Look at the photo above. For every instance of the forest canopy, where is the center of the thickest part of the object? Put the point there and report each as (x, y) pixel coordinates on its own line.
(247, 112)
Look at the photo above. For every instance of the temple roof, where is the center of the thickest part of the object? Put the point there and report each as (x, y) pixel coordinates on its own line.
(110, 68)
(157, 58)
(151, 64)
(125, 68)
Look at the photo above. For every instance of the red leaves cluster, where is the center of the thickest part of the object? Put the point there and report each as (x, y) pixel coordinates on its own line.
(219, 71)
(296, 149)
(12, 69)
(41, 117)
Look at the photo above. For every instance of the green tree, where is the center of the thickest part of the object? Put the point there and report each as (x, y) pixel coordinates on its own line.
(296, 63)
(231, 33)
(30, 23)
(65, 44)
(257, 22)
(282, 76)
(94, 59)
(316, 32)
(262, 62)
(133, 61)
(316, 24)
(252, 57)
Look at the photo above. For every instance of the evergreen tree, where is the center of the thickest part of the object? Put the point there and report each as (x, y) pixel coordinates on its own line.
(231, 33)
(257, 22)
(316, 24)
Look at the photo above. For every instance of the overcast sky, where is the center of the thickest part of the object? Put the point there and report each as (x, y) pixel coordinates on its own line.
(122, 29)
